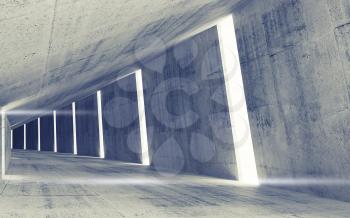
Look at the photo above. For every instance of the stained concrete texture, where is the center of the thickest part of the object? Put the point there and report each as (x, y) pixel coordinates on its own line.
(32, 135)
(295, 64)
(88, 143)
(64, 128)
(18, 138)
(55, 51)
(186, 109)
(121, 126)
(61, 185)
(46, 133)
(5, 143)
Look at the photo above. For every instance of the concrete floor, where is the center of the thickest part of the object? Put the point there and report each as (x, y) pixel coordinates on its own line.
(58, 185)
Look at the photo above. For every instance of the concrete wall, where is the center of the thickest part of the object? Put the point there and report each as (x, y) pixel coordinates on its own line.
(186, 109)
(120, 121)
(87, 126)
(64, 128)
(5, 140)
(296, 68)
(32, 135)
(18, 138)
(46, 133)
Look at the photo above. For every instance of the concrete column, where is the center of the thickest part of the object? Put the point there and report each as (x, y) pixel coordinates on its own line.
(87, 127)
(3, 144)
(121, 127)
(32, 135)
(188, 121)
(18, 138)
(5, 141)
(64, 128)
(47, 133)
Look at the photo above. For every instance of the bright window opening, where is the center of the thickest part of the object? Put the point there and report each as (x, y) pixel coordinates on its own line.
(100, 126)
(142, 118)
(247, 172)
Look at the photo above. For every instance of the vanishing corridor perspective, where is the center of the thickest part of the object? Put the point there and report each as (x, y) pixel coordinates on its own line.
(201, 108)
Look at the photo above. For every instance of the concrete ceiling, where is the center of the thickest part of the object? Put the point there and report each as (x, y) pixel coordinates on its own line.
(55, 51)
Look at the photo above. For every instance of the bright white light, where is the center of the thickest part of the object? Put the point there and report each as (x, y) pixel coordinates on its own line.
(39, 143)
(11, 139)
(305, 181)
(88, 180)
(245, 158)
(120, 181)
(54, 132)
(27, 112)
(142, 118)
(100, 126)
(25, 137)
(75, 147)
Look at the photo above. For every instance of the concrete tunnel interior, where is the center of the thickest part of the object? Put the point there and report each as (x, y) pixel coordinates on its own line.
(226, 108)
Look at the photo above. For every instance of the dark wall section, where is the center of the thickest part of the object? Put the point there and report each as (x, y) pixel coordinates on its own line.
(87, 126)
(46, 133)
(18, 138)
(64, 127)
(186, 109)
(120, 121)
(32, 135)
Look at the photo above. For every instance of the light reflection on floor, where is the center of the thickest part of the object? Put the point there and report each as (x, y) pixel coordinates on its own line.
(56, 185)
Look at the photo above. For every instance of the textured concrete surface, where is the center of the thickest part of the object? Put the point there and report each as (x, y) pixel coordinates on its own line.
(121, 126)
(55, 51)
(46, 133)
(87, 126)
(5, 142)
(186, 109)
(60, 185)
(64, 127)
(32, 135)
(18, 138)
(295, 62)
